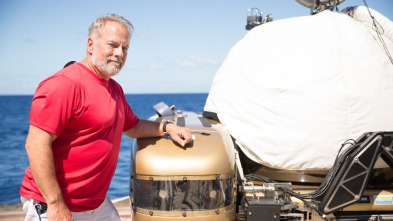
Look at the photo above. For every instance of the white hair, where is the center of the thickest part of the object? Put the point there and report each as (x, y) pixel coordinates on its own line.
(97, 26)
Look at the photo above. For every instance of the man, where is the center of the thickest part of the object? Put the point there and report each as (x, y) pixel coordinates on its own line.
(76, 121)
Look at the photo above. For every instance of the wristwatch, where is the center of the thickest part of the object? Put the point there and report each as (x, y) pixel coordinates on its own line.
(164, 126)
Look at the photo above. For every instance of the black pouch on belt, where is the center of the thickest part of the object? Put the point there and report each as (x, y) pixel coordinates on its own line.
(41, 207)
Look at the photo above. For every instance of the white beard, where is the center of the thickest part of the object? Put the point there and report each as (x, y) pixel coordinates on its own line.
(105, 68)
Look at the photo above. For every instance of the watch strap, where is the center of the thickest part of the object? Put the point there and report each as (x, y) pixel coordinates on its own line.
(164, 126)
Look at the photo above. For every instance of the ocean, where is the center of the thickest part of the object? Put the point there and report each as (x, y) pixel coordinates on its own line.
(14, 125)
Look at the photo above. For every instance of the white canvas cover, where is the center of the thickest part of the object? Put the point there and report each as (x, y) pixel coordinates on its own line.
(293, 90)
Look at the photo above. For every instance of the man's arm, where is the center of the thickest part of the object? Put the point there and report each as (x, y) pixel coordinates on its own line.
(39, 151)
(146, 128)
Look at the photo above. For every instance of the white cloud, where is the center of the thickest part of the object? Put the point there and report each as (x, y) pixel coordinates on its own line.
(194, 61)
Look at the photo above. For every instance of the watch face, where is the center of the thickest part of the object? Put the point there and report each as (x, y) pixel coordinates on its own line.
(165, 124)
(164, 127)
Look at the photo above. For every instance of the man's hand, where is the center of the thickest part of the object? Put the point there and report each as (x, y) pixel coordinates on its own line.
(181, 135)
(58, 212)
(146, 128)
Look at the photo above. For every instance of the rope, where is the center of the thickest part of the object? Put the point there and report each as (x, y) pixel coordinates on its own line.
(376, 27)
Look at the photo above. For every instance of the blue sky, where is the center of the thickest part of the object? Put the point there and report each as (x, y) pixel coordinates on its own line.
(177, 45)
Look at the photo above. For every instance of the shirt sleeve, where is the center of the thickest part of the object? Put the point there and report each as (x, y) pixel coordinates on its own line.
(130, 117)
(53, 104)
